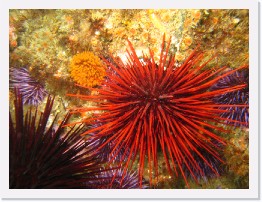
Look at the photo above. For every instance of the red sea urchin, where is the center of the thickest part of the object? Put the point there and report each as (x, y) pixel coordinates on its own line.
(150, 108)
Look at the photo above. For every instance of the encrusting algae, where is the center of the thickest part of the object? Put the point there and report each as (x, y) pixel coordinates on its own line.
(87, 69)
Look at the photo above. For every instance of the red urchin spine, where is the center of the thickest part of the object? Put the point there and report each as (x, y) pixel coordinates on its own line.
(150, 106)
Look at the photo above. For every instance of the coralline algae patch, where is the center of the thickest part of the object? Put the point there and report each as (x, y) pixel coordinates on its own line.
(45, 40)
(12, 37)
(143, 28)
(224, 33)
(237, 156)
(87, 69)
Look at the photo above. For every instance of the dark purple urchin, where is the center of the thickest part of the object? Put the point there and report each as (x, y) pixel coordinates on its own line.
(32, 91)
(205, 172)
(42, 156)
(239, 114)
(105, 152)
(118, 155)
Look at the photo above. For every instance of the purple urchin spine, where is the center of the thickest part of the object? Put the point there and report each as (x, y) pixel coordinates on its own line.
(31, 90)
(238, 114)
(205, 172)
(120, 179)
(105, 152)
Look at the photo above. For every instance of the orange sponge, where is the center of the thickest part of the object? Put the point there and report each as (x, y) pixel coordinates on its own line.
(87, 69)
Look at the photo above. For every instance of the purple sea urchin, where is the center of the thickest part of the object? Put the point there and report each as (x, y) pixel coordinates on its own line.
(32, 91)
(239, 114)
(105, 152)
(45, 157)
(206, 171)
(122, 180)
(151, 108)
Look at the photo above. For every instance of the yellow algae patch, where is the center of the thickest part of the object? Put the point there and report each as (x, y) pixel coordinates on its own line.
(87, 69)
